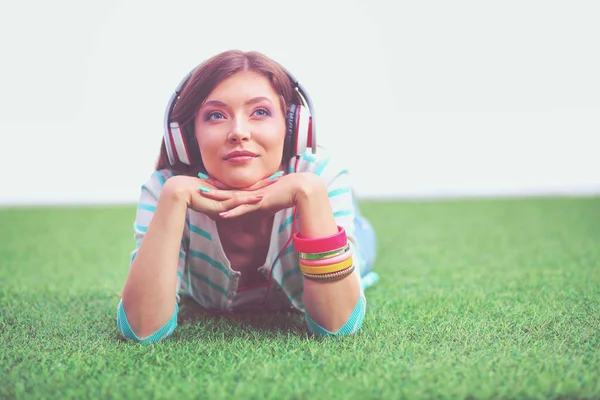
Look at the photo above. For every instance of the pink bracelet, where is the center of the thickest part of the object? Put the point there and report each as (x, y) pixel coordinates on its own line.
(328, 261)
(322, 244)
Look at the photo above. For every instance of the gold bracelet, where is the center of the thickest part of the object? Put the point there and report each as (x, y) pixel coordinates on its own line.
(327, 254)
(330, 277)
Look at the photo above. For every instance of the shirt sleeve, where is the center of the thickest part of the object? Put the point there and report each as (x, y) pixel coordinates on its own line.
(150, 193)
(350, 327)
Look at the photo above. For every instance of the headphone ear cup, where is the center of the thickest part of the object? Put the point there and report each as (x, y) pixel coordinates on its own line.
(303, 130)
(169, 145)
(179, 143)
(301, 137)
(192, 144)
(298, 136)
(290, 133)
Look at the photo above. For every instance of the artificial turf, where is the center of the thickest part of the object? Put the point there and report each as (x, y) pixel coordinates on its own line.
(494, 298)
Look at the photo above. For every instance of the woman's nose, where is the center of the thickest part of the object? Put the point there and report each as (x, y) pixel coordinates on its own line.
(239, 132)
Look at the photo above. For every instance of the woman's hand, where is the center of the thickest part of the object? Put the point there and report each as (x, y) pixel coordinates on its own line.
(191, 190)
(279, 194)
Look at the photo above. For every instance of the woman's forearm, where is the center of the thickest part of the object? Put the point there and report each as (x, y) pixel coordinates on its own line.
(329, 304)
(149, 294)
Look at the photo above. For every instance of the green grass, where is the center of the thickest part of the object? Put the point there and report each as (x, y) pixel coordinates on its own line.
(477, 299)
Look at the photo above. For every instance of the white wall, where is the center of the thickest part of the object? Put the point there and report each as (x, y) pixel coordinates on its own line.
(423, 99)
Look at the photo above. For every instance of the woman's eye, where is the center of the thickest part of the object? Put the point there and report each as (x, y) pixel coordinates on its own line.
(214, 115)
(262, 112)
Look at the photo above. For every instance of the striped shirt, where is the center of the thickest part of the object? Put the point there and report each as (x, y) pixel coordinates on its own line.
(205, 273)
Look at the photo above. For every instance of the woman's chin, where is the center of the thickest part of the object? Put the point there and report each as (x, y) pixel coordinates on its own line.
(239, 182)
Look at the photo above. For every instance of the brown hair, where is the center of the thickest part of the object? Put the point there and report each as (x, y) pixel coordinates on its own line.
(202, 82)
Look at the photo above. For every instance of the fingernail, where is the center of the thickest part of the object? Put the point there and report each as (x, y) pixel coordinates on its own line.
(223, 214)
(203, 176)
(276, 175)
(203, 189)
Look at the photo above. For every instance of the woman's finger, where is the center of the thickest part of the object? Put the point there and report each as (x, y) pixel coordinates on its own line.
(262, 183)
(212, 181)
(239, 210)
(222, 195)
(224, 206)
(216, 194)
(240, 200)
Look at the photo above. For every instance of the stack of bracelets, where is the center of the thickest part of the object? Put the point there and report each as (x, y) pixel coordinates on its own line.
(325, 259)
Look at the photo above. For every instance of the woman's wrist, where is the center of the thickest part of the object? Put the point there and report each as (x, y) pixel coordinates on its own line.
(307, 187)
(176, 192)
(314, 208)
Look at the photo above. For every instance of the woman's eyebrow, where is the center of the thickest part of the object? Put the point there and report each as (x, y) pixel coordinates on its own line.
(253, 100)
(258, 100)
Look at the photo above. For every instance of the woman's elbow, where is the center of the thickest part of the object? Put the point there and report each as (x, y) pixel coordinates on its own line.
(351, 327)
(145, 337)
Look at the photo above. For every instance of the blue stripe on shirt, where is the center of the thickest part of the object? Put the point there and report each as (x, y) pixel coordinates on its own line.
(210, 283)
(288, 250)
(208, 259)
(140, 228)
(342, 213)
(160, 178)
(339, 191)
(200, 231)
(147, 207)
(309, 158)
(285, 223)
(342, 172)
(322, 166)
(195, 288)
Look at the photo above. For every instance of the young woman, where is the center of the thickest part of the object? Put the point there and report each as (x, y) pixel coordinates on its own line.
(243, 211)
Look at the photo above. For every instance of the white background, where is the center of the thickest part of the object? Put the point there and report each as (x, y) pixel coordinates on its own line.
(425, 99)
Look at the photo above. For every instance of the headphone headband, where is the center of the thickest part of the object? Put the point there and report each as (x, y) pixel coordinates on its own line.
(169, 126)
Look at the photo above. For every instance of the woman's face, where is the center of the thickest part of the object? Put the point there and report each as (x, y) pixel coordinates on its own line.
(240, 130)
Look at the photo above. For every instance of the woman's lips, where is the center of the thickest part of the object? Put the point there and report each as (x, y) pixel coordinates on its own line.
(240, 159)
